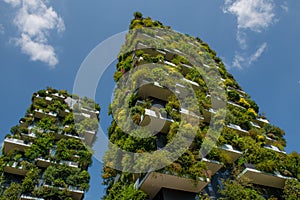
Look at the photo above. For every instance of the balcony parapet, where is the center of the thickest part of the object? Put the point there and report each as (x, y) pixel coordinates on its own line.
(152, 182)
(231, 152)
(12, 143)
(258, 177)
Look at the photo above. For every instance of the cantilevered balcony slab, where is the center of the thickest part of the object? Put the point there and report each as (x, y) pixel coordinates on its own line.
(195, 85)
(261, 122)
(241, 92)
(154, 181)
(208, 113)
(92, 112)
(48, 100)
(237, 128)
(191, 114)
(14, 144)
(16, 169)
(261, 178)
(39, 113)
(154, 90)
(232, 153)
(212, 166)
(148, 50)
(274, 148)
(63, 113)
(27, 197)
(76, 193)
(217, 102)
(155, 121)
(236, 105)
(255, 125)
(89, 136)
(58, 96)
(44, 163)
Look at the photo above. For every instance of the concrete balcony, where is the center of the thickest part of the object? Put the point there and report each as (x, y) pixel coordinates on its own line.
(212, 166)
(269, 140)
(92, 112)
(261, 122)
(156, 121)
(274, 148)
(262, 178)
(16, 168)
(26, 197)
(14, 144)
(153, 182)
(232, 153)
(58, 96)
(237, 128)
(217, 102)
(44, 163)
(76, 193)
(194, 85)
(255, 125)
(186, 68)
(39, 113)
(47, 99)
(208, 113)
(30, 133)
(148, 50)
(241, 92)
(158, 91)
(89, 136)
(154, 90)
(236, 105)
(190, 113)
(63, 113)
(170, 63)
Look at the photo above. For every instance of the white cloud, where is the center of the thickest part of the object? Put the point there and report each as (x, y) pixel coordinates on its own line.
(238, 61)
(14, 3)
(38, 51)
(252, 15)
(242, 39)
(258, 53)
(2, 29)
(284, 6)
(242, 60)
(35, 21)
(255, 15)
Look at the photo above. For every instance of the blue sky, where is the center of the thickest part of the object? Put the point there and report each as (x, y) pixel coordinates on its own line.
(43, 43)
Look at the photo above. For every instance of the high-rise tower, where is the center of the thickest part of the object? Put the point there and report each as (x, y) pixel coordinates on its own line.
(176, 98)
(47, 155)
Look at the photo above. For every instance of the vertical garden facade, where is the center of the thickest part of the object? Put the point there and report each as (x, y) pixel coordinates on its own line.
(46, 156)
(183, 128)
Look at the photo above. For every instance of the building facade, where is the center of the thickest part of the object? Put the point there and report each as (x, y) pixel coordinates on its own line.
(234, 153)
(47, 155)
